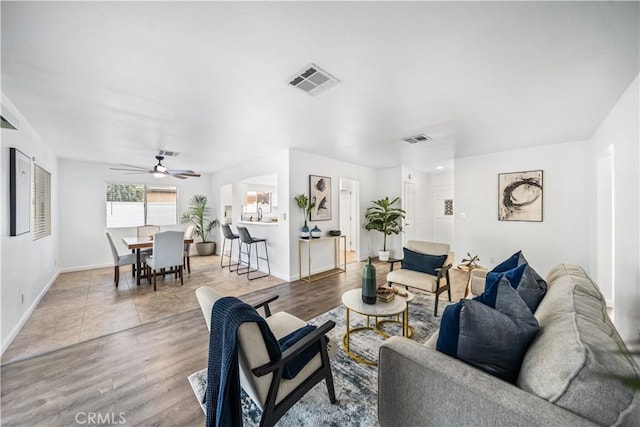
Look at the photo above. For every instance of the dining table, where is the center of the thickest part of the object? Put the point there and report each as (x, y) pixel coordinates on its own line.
(136, 244)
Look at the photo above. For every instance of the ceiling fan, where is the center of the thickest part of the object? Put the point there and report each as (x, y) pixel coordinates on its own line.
(158, 170)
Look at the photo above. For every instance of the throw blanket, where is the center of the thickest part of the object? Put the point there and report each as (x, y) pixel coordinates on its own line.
(222, 397)
(223, 378)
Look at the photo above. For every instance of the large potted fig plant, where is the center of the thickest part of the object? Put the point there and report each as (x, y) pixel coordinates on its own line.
(385, 218)
(199, 214)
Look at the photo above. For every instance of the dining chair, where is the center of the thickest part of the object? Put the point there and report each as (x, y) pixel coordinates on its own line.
(119, 260)
(168, 251)
(147, 231)
(186, 261)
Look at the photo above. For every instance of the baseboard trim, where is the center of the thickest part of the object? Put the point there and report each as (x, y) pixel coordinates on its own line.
(84, 267)
(27, 314)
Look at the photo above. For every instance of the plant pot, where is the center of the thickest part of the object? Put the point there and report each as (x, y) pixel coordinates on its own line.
(383, 255)
(206, 248)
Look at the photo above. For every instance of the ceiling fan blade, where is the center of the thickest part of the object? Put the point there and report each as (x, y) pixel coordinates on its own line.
(193, 174)
(181, 171)
(178, 176)
(132, 170)
(133, 166)
(135, 173)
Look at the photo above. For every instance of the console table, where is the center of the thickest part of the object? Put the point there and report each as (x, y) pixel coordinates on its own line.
(340, 267)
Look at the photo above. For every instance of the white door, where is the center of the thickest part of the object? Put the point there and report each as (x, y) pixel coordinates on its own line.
(349, 214)
(409, 205)
(443, 214)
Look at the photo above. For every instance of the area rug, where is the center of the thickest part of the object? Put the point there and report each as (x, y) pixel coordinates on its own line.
(356, 384)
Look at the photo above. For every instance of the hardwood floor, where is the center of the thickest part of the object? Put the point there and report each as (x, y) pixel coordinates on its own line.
(140, 374)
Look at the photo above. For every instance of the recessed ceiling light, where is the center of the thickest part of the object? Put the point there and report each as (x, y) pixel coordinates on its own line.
(312, 80)
(439, 167)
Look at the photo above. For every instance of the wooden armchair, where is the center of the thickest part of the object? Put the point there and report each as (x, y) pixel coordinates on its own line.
(262, 378)
(420, 279)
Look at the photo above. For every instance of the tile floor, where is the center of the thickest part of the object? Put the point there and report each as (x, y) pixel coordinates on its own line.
(84, 305)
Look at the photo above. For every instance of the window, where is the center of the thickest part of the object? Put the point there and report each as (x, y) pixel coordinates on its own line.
(255, 200)
(42, 203)
(133, 205)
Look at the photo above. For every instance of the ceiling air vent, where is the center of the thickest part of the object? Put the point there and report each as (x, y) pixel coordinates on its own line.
(417, 138)
(313, 80)
(167, 153)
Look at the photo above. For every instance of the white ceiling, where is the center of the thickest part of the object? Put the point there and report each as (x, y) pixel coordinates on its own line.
(116, 81)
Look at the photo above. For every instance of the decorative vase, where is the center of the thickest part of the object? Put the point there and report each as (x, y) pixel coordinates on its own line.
(316, 232)
(304, 232)
(369, 287)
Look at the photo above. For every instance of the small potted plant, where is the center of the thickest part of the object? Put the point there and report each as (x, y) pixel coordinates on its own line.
(385, 218)
(199, 215)
(305, 204)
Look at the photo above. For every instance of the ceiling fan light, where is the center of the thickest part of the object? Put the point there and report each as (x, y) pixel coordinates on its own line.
(158, 175)
(160, 168)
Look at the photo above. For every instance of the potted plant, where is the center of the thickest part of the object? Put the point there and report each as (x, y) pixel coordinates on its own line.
(198, 215)
(385, 218)
(305, 204)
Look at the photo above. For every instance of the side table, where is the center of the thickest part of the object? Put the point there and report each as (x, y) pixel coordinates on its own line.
(352, 300)
(469, 269)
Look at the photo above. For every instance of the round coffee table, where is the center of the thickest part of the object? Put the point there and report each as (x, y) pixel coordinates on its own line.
(352, 300)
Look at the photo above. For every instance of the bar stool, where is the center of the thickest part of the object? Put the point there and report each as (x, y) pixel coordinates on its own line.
(246, 238)
(228, 235)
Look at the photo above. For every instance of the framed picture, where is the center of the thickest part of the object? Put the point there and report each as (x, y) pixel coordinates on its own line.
(19, 192)
(520, 196)
(320, 194)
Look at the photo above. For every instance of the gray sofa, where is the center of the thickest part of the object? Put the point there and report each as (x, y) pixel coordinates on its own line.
(565, 377)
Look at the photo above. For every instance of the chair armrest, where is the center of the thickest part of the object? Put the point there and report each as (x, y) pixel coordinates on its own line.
(462, 395)
(265, 304)
(393, 261)
(442, 269)
(294, 350)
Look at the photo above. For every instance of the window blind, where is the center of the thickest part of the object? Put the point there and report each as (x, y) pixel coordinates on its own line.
(42, 203)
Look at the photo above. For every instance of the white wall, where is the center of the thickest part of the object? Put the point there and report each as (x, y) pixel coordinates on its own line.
(304, 164)
(28, 266)
(620, 129)
(563, 236)
(277, 235)
(83, 216)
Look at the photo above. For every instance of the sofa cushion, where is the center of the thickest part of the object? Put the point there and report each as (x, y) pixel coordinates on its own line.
(572, 360)
(423, 263)
(493, 337)
(531, 287)
(414, 279)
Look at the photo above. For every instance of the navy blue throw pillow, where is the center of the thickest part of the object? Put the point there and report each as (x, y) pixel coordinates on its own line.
(530, 286)
(491, 332)
(292, 368)
(424, 263)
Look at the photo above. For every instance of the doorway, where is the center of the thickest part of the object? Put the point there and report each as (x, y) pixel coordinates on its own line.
(350, 217)
(443, 213)
(605, 227)
(409, 206)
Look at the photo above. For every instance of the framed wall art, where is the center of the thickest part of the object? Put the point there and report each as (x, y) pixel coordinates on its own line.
(520, 196)
(320, 194)
(19, 192)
